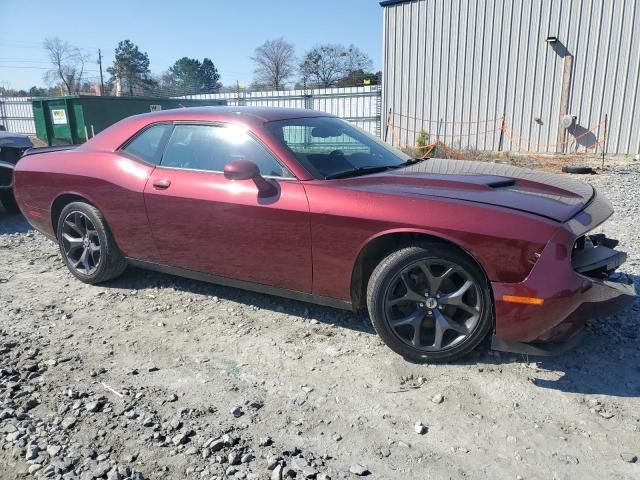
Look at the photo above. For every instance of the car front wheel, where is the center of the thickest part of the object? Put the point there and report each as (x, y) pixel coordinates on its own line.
(87, 245)
(430, 303)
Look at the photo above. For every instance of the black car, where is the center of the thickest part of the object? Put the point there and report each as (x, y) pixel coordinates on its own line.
(12, 146)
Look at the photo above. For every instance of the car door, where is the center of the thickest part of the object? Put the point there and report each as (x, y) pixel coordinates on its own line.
(203, 222)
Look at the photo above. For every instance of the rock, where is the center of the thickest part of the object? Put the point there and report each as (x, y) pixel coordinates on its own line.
(180, 439)
(272, 461)
(215, 445)
(237, 412)
(32, 452)
(299, 463)
(265, 441)
(359, 470)
(247, 457)
(233, 458)
(172, 398)
(68, 422)
(629, 457)
(61, 464)
(7, 413)
(34, 468)
(437, 398)
(191, 451)
(101, 469)
(30, 403)
(420, 429)
(131, 414)
(323, 476)
(291, 450)
(93, 406)
(53, 450)
(229, 440)
(276, 474)
(337, 437)
(8, 428)
(605, 414)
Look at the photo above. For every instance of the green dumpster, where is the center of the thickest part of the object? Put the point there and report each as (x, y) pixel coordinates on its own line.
(74, 119)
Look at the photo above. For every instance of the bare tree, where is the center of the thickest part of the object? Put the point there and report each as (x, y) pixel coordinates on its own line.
(333, 64)
(274, 63)
(355, 60)
(67, 64)
(323, 65)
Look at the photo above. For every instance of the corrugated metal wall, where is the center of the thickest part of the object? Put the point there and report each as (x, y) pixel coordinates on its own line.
(449, 64)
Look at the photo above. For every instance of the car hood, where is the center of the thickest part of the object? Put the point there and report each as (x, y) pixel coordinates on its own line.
(557, 197)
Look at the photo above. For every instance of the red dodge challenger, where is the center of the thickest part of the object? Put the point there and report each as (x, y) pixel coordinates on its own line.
(297, 203)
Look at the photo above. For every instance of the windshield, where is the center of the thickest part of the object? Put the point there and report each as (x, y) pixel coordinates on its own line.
(329, 147)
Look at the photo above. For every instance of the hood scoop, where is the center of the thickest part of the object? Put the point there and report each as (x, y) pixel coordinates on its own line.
(507, 182)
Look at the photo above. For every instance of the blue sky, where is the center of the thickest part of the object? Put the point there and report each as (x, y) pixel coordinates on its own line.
(227, 31)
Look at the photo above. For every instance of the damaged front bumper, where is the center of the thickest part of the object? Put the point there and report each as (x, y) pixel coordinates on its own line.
(576, 277)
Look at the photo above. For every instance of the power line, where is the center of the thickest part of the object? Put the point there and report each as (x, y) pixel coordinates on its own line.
(41, 68)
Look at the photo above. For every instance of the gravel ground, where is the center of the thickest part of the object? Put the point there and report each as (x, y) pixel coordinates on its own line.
(153, 376)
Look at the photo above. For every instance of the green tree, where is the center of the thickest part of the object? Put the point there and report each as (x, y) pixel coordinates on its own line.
(188, 75)
(209, 76)
(131, 68)
(185, 73)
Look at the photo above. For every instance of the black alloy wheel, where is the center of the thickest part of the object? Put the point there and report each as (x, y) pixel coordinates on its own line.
(433, 305)
(87, 245)
(81, 243)
(430, 303)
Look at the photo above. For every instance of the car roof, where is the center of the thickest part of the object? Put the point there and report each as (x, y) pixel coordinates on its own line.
(112, 137)
(259, 114)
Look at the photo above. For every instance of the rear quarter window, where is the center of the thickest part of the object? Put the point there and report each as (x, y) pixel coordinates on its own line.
(147, 145)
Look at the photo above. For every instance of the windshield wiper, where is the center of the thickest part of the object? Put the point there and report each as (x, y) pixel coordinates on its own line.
(360, 171)
(413, 161)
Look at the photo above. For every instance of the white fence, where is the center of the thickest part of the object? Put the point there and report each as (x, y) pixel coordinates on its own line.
(359, 105)
(16, 115)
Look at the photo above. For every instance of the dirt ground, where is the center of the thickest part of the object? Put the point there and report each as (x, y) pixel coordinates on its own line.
(153, 376)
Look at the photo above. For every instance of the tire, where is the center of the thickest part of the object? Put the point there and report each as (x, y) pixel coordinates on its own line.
(96, 266)
(402, 293)
(579, 170)
(9, 202)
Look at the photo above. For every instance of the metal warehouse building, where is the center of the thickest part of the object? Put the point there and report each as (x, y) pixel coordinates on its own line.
(511, 74)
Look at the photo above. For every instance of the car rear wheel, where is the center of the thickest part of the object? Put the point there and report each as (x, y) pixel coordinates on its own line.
(430, 303)
(9, 202)
(87, 245)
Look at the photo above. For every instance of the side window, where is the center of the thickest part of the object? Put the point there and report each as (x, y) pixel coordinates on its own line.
(147, 144)
(210, 147)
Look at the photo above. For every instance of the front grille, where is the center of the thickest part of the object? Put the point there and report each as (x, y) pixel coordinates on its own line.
(594, 256)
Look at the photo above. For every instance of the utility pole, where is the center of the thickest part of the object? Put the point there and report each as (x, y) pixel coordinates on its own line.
(101, 79)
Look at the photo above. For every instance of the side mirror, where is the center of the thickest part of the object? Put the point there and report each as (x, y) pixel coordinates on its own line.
(241, 170)
(247, 170)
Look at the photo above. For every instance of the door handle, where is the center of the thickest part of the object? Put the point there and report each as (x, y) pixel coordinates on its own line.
(161, 184)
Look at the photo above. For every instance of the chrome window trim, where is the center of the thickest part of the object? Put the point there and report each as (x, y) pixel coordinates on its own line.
(219, 172)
